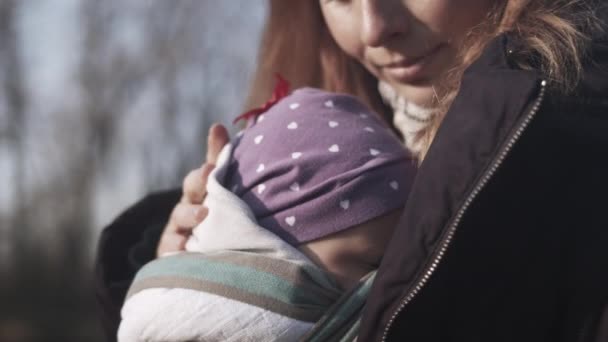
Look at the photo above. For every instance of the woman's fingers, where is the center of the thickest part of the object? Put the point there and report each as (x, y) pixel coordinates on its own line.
(170, 243)
(195, 184)
(218, 137)
(183, 219)
(186, 216)
(189, 212)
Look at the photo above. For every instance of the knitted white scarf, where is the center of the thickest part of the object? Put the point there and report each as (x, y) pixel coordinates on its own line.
(408, 117)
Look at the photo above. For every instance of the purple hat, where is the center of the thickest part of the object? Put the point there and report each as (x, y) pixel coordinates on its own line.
(317, 163)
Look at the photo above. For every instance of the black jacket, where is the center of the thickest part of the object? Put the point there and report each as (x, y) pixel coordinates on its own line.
(504, 237)
(123, 248)
(505, 234)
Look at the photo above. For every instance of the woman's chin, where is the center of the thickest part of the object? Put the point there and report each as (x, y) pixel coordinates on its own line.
(422, 94)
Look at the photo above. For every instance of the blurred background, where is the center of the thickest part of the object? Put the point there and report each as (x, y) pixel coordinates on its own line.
(101, 102)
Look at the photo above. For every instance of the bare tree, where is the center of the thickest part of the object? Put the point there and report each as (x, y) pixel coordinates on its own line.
(190, 69)
(14, 131)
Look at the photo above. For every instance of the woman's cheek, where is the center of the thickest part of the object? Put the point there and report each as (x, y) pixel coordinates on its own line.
(450, 19)
(434, 14)
(457, 20)
(344, 27)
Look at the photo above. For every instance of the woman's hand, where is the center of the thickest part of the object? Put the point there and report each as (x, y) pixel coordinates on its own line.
(189, 212)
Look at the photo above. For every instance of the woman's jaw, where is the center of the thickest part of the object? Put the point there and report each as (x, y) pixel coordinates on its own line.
(417, 79)
(413, 70)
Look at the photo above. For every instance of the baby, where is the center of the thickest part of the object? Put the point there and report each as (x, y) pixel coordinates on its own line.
(301, 207)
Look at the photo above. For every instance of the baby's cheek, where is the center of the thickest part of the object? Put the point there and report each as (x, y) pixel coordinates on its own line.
(353, 257)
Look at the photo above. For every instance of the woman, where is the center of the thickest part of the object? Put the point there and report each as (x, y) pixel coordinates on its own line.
(504, 236)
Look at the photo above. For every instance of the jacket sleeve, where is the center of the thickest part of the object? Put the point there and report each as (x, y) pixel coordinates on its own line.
(600, 330)
(124, 246)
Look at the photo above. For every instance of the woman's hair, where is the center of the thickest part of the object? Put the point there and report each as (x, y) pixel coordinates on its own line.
(553, 35)
(297, 44)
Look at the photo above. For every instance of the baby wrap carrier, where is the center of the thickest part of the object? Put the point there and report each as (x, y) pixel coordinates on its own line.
(243, 283)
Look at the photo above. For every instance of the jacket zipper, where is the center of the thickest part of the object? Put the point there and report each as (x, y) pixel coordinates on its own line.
(445, 244)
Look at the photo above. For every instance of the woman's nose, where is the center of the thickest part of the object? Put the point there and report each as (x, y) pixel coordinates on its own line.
(382, 20)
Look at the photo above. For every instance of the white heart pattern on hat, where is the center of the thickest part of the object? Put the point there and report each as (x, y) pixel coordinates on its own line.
(345, 204)
(317, 125)
(261, 188)
(291, 220)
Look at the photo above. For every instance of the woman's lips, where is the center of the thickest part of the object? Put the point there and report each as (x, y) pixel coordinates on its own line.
(405, 62)
(411, 69)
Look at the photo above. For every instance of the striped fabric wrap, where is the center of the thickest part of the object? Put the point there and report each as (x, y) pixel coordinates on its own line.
(341, 322)
(298, 291)
(289, 289)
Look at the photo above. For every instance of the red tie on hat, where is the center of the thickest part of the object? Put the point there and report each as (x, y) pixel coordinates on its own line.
(281, 89)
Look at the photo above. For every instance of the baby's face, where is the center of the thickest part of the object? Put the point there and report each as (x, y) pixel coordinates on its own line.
(352, 253)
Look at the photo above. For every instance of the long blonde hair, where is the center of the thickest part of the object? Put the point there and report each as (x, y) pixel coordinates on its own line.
(555, 37)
